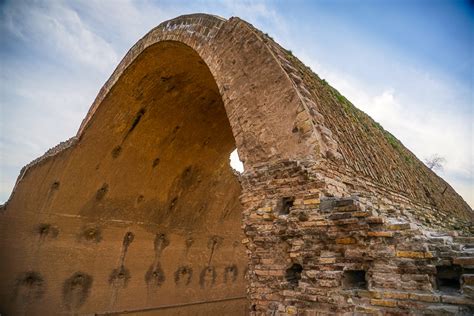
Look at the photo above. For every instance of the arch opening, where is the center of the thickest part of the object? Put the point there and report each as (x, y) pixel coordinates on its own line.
(235, 163)
(168, 119)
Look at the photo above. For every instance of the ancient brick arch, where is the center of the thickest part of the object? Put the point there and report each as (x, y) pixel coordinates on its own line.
(232, 51)
(141, 212)
(151, 162)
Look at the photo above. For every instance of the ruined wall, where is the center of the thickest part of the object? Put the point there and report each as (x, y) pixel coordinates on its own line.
(315, 254)
(141, 213)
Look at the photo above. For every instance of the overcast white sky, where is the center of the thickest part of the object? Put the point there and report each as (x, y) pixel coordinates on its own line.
(408, 64)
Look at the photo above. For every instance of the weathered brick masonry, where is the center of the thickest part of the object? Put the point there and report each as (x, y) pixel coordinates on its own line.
(141, 213)
(359, 254)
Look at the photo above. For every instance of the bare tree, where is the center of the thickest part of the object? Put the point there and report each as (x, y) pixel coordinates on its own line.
(435, 162)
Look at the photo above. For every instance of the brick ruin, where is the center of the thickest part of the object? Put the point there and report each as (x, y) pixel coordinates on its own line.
(141, 213)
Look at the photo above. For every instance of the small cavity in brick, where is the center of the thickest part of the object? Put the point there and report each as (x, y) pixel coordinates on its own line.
(354, 279)
(285, 205)
(448, 278)
(293, 274)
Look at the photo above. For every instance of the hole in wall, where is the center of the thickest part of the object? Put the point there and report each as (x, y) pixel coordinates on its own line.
(235, 162)
(207, 277)
(156, 162)
(183, 275)
(161, 242)
(284, 205)
(32, 278)
(128, 238)
(136, 120)
(102, 192)
(214, 242)
(116, 151)
(47, 230)
(31, 284)
(230, 273)
(293, 274)
(91, 234)
(55, 185)
(354, 279)
(119, 277)
(76, 290)
(155, 275)
(448, 278)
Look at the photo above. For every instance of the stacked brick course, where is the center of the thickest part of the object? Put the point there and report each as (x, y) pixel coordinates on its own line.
(352, 257)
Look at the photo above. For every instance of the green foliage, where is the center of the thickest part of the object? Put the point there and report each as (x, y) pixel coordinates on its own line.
(392, 140)
(348, 107)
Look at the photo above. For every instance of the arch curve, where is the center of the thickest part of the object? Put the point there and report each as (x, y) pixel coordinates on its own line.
(232, 51)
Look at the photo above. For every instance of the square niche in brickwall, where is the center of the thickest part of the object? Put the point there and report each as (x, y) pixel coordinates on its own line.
(293, 275)
(354, 279)
(284, 205)
(448, 278)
